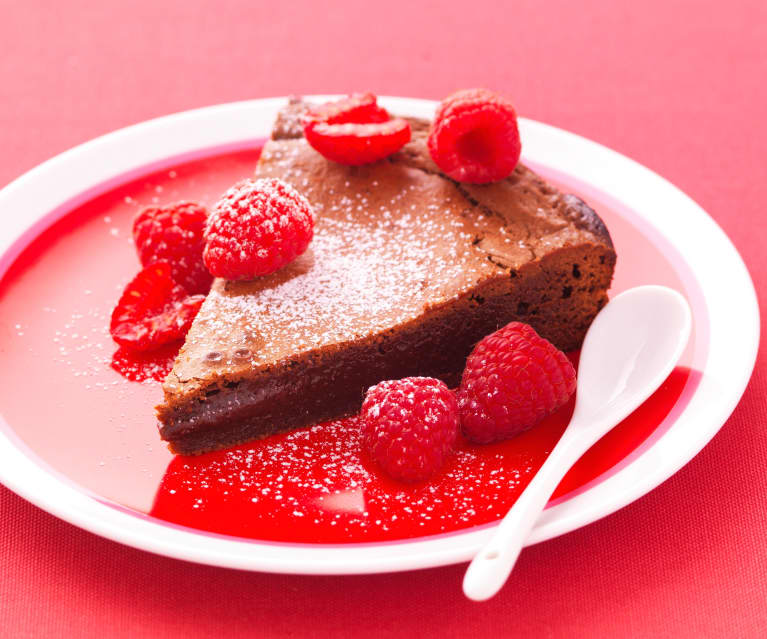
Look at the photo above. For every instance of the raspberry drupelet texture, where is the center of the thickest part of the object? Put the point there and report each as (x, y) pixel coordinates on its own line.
(153, 310)
(474, 137)
(354, 130)
(513, 379)
(256, 228)
(174, 233)
(409, 426)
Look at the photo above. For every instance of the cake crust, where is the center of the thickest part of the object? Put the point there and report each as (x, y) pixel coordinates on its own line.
(407, 271)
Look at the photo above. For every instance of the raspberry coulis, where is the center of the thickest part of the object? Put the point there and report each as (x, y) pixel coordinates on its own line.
(315, 485)
(96, 426)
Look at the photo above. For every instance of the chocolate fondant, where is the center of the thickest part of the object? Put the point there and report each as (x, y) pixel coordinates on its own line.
(406, 272)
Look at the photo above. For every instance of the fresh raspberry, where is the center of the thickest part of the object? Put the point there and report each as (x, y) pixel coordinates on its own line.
(355, 130)
(361, 108)
(356, 144)
(512, 380)
(474, 137)
(257, 227)
(174, 234)
(153, 310)
(409, 426)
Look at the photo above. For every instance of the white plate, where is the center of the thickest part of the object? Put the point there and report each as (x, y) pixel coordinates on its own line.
(716, 281)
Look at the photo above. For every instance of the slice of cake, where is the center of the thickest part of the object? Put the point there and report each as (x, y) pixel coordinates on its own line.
(406, 272)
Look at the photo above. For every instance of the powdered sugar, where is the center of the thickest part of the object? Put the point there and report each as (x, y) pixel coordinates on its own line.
(315, 485)
(384, 250)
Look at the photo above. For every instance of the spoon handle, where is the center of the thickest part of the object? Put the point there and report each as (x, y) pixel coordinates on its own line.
(490, 568)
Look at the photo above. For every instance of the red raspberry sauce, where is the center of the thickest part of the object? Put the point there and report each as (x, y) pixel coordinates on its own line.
(315, 485)
(96, 425)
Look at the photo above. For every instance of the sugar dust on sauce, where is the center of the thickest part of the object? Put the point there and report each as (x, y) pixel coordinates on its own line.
(315, 484)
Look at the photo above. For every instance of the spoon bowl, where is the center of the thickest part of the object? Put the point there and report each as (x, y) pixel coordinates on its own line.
(631, 347)
(629, 350)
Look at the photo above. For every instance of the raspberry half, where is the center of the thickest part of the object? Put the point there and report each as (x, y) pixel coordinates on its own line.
(474, 137)
(257, 227)
(409, 426)
(355, 130)
(513, 379)
(174, 234)
(153, 310)
(358, 107)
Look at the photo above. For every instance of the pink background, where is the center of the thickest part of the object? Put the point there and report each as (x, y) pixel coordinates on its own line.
(679, 86)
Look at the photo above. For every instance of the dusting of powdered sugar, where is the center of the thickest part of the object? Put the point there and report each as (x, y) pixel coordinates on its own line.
(317, 485)
(384, 250)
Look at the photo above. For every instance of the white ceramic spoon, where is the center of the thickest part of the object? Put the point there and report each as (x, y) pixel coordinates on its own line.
(630, 348)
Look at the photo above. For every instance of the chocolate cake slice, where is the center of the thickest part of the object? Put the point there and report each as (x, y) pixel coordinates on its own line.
(406, 272)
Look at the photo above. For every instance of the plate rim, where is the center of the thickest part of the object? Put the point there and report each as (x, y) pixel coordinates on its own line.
(232, 124)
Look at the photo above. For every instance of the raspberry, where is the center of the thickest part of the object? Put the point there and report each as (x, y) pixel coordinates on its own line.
(355, 130)
(153, 310)
(355, 144)
(409, 426)
(475, 137)
(358, 107)
(174, 233)
(257, 227)
(512, 380)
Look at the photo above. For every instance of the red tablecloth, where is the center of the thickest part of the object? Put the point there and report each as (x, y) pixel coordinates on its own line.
(679, 86)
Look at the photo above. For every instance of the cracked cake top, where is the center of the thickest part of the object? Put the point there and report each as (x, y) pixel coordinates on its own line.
(395, 230)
